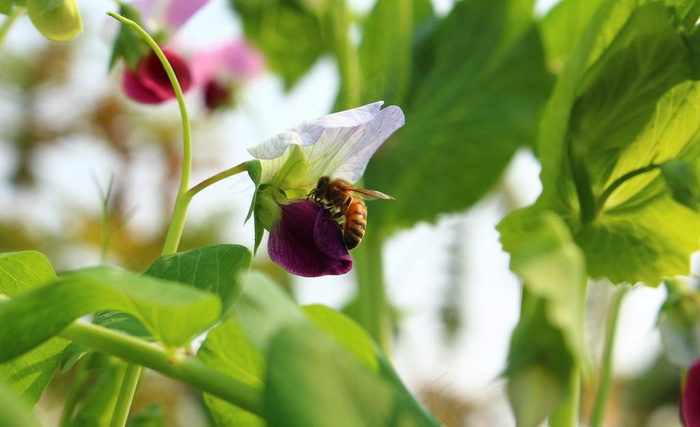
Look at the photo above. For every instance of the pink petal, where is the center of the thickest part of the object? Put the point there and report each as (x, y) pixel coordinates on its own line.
(242, 60)
(150, 84)
(307, 242)
(179, 11)
(690, 397)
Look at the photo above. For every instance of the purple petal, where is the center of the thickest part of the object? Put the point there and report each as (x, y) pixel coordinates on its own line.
(690, 397)
(307, 242)
(179, 11)
(150, 84)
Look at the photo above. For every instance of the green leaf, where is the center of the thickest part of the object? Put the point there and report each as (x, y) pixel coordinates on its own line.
(345, 332)
(310, 381)
(6, 6)
(385, 50)
(15, 410)
(619, 106)
(552, 267)
(213, 269)
(173, 313)
(228, 349)
(289, 32)
(563, 26)
(480, 85)
(683, 178)
(30, 373)
(128, 45)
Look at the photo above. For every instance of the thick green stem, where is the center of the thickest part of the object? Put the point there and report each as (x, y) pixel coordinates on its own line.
(16, 13)
(372, 307)
(598, 414)
(346, 55)
(184, 368)
(127, 391)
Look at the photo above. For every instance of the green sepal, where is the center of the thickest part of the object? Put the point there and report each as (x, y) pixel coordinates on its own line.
(128, 45)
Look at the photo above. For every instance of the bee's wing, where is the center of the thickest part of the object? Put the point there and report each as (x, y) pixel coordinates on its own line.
(371, 194)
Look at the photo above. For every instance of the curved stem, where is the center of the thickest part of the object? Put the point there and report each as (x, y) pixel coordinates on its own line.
(16, 13)
(621, 180)
(176, 227)
(126, 395)
(187, 369)
(76, 387)
(601, 400)
(218, 177)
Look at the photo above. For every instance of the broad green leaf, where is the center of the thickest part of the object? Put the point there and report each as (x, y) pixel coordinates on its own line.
(214, 269)
(619, 106)
(385, 51)
(30, 373)
(227, 349)
(480, 85)
(552, 267)
(345, 332)
(539, 364)
(310, 381)
(289, 32)
(679, 323)
(15, 410)
(563, 25)
(173, 313)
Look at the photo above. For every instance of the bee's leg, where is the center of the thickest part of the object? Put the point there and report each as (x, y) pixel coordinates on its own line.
(344, 207)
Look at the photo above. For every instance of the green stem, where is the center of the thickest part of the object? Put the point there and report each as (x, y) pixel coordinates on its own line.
(177, 224)
(81, 376)
(601, 400)
(184, 368)
(372, 308)
(16, 13)
(218, 177)
(182, 200)
(127, 391)
(582, 183)
(346, 55)
(621, 180)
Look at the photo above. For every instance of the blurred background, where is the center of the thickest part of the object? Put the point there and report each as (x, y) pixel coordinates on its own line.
(89, 176)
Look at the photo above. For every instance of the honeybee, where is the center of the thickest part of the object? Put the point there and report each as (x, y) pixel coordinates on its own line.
(346, 200)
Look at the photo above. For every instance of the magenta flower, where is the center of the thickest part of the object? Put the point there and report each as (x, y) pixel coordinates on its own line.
(304, 238)
(149, 83)
(223, 69)
(306, 241)
(690, 396)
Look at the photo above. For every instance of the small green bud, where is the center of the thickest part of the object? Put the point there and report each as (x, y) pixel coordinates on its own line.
(59, 21)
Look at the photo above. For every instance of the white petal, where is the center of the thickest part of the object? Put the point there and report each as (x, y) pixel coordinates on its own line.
(337, 145)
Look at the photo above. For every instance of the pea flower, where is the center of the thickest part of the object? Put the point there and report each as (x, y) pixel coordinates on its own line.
(304, 238)
(221, 70)
(148, 82)
(690, 396)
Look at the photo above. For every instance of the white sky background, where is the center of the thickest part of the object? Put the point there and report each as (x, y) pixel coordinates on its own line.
(415, 261)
